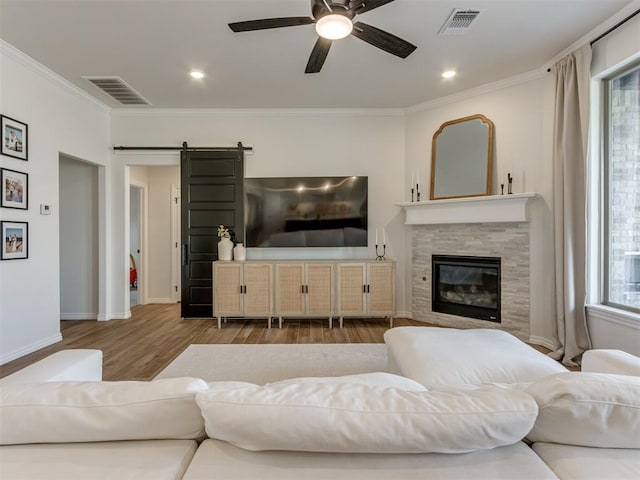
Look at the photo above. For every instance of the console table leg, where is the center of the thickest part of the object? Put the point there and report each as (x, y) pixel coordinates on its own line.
(219, 323)
(330, 322)
(390, 322)
(269, 322)
(341, 322)
(280, 322)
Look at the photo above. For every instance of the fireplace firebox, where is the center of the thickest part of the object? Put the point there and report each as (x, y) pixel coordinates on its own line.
(466, 286)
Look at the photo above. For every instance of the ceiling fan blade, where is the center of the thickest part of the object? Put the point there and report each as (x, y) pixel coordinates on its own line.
(318, 55)
(368, 5)
(267, 23)
(383, 40)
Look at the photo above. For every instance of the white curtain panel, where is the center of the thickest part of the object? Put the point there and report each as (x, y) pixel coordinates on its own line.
(571, 130)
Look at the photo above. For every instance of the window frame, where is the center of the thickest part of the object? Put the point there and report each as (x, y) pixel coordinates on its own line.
(604, 164)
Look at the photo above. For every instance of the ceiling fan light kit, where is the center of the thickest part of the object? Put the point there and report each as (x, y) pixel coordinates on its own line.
(334, 26)
(334, 20)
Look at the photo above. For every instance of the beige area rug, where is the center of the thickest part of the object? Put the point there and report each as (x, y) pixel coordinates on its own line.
(267, 363)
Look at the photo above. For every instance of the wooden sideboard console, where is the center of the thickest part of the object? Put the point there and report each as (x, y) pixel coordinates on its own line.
(304, 288)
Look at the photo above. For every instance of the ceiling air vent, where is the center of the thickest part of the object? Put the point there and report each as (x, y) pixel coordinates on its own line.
(117, 88)
(458, 22)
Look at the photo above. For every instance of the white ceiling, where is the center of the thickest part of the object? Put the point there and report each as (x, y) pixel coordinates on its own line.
(152, 45)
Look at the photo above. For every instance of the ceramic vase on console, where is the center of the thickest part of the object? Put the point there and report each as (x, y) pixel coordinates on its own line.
(239, 252)
(225, 249)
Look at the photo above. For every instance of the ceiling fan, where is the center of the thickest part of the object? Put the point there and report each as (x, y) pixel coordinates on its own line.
(334, 20)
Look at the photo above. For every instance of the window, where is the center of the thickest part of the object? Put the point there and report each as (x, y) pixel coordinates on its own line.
(622, 190)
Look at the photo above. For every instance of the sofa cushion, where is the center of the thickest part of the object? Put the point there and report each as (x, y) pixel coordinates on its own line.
(362, 418)
(131, 460)
(379, 379)
(588, 463)
(65, 412)
(220, 460)
(439, 357)
(588, 409)
(610, 361)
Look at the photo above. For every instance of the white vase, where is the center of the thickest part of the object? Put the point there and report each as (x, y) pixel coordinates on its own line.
(239, 252)
(225, 249)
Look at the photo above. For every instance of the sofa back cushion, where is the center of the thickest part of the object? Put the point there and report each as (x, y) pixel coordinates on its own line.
(587, 409)
(63, 412)
(346, 417)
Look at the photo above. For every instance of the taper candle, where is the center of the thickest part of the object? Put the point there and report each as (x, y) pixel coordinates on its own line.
(384, 236)
(376, 236)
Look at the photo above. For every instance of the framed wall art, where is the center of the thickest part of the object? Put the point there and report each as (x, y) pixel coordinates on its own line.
(15, 240)
(15, 138)
(15, 189)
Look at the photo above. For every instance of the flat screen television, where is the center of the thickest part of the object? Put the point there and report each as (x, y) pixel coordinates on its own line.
(306, 211)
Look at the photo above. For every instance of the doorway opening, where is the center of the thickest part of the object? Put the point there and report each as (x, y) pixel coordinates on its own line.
(135, 243)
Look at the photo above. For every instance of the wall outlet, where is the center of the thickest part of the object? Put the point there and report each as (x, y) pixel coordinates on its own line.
(45, 209)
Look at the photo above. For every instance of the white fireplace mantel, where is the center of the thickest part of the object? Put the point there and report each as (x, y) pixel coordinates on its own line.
(489, 209)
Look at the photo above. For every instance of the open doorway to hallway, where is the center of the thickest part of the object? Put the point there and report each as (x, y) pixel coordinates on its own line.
(154, 201)
(135, 236)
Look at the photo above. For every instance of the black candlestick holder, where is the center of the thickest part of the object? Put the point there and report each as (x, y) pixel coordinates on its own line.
(384, 251)
(417, 192)
(509, 184)
(412, 194)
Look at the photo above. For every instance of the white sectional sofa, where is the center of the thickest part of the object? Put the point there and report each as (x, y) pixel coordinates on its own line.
(373, 426)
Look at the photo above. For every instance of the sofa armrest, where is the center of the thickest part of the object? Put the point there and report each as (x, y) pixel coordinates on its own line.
(611, 361)
(65, 365)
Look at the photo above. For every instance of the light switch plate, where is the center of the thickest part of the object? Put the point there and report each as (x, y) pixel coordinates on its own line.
(45, 209)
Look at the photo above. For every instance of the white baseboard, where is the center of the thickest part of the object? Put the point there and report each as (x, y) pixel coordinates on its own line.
(545, 342)
(159, 300)
(79, 316)
(104, 317)
(21, 352)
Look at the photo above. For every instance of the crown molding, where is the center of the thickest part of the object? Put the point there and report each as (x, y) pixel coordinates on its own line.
(482, 89)
(257, 112)
(26, 61)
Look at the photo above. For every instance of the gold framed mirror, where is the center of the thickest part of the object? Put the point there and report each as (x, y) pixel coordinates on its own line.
(462, 158)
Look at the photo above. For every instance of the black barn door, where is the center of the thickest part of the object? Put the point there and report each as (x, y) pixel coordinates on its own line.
(212, 195)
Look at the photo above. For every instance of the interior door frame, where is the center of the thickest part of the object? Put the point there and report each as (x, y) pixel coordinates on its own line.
(143, 239)
(176, 272)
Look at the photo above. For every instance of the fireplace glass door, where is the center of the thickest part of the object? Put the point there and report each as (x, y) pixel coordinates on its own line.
(466, 286)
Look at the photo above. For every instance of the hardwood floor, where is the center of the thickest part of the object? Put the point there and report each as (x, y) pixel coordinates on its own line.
(140, 347)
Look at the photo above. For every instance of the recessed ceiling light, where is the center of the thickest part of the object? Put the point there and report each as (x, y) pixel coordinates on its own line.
(449, 74)
(196, 74)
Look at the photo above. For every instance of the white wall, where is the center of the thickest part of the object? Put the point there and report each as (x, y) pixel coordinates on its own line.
(286, 143)
(521, 116)
(78, 240)
(60, 120)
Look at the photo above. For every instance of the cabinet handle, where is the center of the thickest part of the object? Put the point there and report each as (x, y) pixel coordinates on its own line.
(245, 289)
(241, 292)
(306, 289)
(368, 291)
(301, 288)
(364, 289)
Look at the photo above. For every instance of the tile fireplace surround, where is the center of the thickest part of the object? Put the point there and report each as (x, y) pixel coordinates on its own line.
(492, 226)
